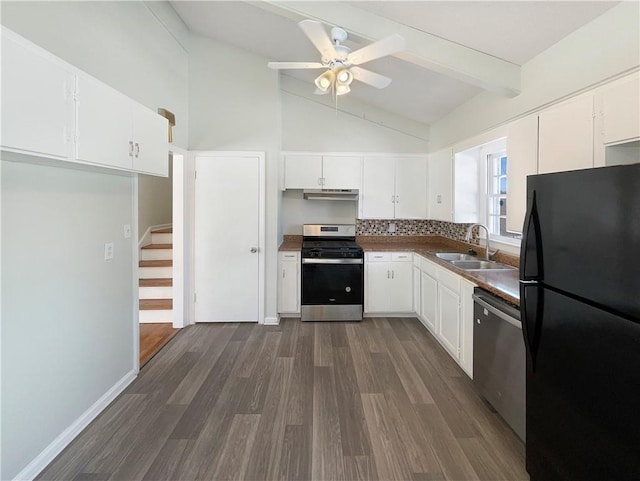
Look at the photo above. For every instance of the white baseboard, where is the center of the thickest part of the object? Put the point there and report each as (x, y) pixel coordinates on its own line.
(284, 315)
(64, 439)
(389, 314)
(271, 321)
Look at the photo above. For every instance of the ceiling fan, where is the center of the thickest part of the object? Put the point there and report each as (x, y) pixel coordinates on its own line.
(340, 62)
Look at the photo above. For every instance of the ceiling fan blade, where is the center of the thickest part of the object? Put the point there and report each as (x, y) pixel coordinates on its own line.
(387, 46)
(319, 37)
(294, 65)
(371, 78)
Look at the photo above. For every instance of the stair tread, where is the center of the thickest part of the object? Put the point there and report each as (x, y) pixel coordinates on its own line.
(158, 282)
(156, 304)
(168, 263)
(158, 246)
(167, 230)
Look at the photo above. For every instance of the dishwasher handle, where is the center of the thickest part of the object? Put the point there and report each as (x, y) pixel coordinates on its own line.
(497, 312)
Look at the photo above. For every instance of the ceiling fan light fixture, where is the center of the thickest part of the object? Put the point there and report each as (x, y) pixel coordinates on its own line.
(344, 76)
(324, 81)
(342, 89)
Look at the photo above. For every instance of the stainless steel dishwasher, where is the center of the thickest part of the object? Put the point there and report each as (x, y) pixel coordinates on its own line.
(499, 358)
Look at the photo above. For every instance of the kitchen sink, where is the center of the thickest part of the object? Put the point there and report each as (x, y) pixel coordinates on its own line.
(478, 265)
(455, 256)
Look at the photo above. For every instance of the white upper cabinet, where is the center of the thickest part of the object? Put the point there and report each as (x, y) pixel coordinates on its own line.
(318, 171)
(522, 152)
(394, 188)
(411, 188)
(303, 171)
(440, 185)
(37, 101)
(377, 198)
(341, 172)
(150, 146)
(105, 125)
(51, 109)
(566, 136)
(621, 111)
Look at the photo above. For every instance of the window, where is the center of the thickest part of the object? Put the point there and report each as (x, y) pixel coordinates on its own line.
(497, 164)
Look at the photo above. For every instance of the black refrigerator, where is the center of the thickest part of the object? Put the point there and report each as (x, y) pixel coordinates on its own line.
(580, 311)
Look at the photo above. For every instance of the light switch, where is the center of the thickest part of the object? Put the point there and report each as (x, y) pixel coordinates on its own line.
(108, 251)
(127, 231)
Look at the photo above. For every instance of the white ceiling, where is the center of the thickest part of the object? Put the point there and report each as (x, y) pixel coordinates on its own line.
(514, 31)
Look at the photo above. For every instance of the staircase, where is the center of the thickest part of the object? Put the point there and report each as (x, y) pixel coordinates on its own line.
(156, 278)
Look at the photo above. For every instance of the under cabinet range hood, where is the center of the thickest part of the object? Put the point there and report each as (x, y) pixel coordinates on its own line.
(330, 194)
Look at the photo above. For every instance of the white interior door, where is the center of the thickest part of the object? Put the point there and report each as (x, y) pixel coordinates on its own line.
(227, 257)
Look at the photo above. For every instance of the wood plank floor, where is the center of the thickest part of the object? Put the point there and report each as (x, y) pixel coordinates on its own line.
(376, 400)
(152, 337)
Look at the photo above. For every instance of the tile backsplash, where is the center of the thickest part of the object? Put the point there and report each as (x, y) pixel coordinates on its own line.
(414, 227)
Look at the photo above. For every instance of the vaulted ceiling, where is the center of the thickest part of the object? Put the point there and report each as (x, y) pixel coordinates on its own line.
(455, 49)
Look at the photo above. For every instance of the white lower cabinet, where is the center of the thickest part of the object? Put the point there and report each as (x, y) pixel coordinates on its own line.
(446, 309)
(289, 283)
(388, 282)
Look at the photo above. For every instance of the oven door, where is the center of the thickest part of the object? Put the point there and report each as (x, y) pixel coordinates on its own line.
(332, 289)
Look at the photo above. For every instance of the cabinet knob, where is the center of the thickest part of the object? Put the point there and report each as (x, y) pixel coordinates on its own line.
(254, 250)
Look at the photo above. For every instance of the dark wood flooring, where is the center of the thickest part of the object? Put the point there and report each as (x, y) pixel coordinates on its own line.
(378, 400)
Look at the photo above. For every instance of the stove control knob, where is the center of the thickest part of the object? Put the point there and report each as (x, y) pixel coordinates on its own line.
(347, 289)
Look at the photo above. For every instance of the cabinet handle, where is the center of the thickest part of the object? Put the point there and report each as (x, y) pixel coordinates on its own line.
(283, 274)
(131, 148)
(397, 199)
(323, 181)
(393, 274)
(393, 199)
(137, 149)
(319, 180)
(388, 275)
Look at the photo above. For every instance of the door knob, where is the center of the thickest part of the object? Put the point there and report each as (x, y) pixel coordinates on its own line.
(254, 250)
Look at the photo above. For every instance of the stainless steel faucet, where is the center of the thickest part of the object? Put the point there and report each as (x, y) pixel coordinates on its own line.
(468, 236)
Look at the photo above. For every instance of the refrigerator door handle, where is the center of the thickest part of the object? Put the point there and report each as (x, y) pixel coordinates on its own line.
(531, 250)
(531, 319)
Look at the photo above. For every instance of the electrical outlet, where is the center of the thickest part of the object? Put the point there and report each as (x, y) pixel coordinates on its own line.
(127, 231)
(392, 227)
(108, 251)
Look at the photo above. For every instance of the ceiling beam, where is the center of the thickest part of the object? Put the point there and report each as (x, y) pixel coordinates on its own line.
(423, 49)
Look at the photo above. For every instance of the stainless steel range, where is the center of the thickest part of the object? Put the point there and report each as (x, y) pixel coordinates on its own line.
(332, 273)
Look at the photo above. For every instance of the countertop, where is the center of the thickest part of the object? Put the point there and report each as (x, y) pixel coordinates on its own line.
(504, 284)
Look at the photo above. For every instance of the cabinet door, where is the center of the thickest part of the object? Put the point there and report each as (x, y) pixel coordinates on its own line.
(104, 125)
(522, 154)
(378, 188)
(289, 284)
(377, 287)
(341, 172)
(401, 287)
(466, 326)
(440, 184)
(303, 171)
(37, 102)
(449, 327)
(151, 150)
(621, 111)
(429, 301)
(411, 188)
(566, 136)
(416, 290)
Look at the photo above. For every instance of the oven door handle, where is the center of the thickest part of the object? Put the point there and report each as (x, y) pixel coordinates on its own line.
(332, 261)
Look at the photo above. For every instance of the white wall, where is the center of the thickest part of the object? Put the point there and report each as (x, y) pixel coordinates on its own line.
(124, 44)
(154, 200)
(313, 126)
(600, 50)
(235, 105)
(67, 315)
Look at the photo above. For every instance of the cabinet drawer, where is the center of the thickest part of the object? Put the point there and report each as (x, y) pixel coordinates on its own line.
(289, 256)
(378, 256)
(429, 267)
(402, 256)
(452, 281)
